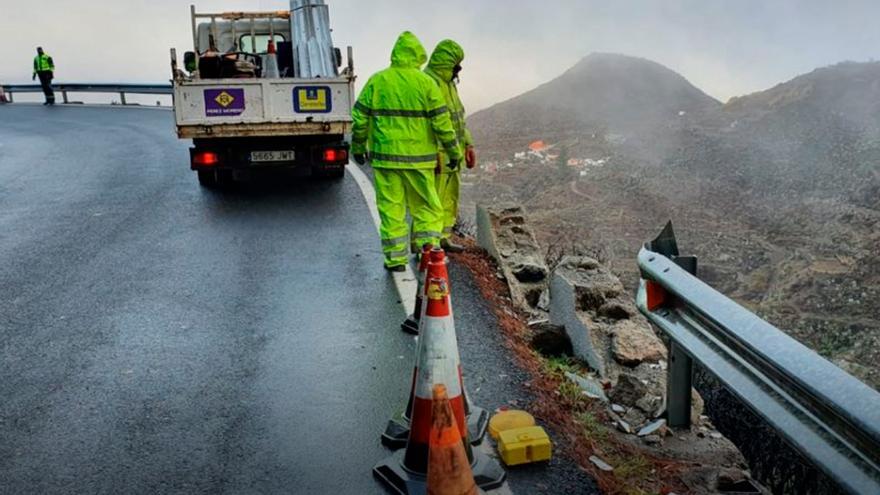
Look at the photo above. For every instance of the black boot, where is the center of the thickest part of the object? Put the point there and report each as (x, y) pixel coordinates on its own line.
(396, 268)
(451, 247)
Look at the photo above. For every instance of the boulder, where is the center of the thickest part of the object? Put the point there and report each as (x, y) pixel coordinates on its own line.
(633, 342)
(594, 284)
(628, 390)
(617, 310)
(635, 417)
(649, 403)
(697, 407)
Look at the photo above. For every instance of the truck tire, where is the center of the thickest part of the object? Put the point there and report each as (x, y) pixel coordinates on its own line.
(225, 179)
(207, 178)
(330, 174)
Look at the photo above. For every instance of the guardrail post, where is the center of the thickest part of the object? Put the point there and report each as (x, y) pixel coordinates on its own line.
(9, 96)
(122, 97)
(64, 96)
(679, 380)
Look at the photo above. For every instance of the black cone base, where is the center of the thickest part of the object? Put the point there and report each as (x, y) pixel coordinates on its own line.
(397, 432)
(488, 474)
(410, 326)
(478, 422)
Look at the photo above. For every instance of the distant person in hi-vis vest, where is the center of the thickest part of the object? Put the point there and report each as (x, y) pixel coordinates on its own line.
(44, 67)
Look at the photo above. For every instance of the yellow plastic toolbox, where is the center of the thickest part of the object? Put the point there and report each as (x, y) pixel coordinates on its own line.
(508, 420)
(524, 445)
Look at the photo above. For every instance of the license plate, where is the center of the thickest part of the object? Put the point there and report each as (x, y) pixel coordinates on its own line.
(272, 156)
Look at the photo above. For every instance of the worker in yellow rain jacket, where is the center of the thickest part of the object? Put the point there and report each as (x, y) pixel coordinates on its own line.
(44, 68)
(399, 119)
(444, 66)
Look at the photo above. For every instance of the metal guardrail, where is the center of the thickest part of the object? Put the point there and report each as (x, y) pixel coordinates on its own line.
(825, 414)
(64, 88)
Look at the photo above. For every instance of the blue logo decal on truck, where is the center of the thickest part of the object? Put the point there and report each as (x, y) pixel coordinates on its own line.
(312, 99)
(223, 102)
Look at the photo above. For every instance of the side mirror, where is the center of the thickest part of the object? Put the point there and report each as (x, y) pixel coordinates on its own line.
(338, 54)
(189, 61)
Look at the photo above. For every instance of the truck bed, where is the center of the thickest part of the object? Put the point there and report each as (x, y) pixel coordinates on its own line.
(219, 108)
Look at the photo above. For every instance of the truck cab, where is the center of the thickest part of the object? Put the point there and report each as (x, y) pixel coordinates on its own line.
(264, 91)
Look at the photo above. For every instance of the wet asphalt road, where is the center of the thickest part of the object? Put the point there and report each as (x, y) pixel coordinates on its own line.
(156, 337)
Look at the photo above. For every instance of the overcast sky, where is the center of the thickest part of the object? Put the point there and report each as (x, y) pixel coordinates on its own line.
(725, 47)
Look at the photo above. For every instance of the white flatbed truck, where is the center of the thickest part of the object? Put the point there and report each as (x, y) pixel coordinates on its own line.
(240, 122)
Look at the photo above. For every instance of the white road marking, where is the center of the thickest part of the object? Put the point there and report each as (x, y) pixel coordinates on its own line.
(404, 281)
(406, 289)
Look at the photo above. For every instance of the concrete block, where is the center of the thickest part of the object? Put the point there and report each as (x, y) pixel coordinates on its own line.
(503, 233)
(563, 311)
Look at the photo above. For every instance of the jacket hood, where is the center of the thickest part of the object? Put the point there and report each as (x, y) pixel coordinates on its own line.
(408, 52)
(446, 55)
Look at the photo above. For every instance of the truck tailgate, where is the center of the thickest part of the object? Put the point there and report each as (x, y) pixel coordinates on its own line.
(262, 107)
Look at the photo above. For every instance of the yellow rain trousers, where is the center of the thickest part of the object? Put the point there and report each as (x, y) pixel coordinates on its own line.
(395, 190)
(448, 185)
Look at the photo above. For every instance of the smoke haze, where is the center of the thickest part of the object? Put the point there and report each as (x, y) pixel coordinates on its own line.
(726, 48)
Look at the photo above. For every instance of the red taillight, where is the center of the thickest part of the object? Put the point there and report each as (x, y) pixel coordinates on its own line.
(656, 295)
(206, 158)
(332, 155)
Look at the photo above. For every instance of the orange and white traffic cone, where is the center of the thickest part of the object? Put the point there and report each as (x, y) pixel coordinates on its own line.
(449, 472)
(270, 71)
(406, 470)
(411, 325)
(397, 431)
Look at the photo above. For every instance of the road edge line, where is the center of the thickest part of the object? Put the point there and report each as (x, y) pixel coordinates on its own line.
(404, 281)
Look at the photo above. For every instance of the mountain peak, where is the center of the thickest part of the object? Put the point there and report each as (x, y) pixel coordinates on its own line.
(603, 92)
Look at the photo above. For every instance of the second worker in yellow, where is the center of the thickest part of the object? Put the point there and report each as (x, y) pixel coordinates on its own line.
(444, 67)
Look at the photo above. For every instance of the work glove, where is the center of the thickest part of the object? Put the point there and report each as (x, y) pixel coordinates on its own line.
(438, 168)
(34, 76)
(360, 158)
(470, 157)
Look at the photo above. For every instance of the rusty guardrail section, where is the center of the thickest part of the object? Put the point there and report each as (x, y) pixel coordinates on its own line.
(64, 88)
(825, 414)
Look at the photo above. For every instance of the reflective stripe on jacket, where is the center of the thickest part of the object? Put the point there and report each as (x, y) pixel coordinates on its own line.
(401, 116)
(446, 56)
(43, 63)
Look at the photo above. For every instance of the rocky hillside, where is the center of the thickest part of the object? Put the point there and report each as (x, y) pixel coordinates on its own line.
(777, 192)
(819, 132)
(624, 97)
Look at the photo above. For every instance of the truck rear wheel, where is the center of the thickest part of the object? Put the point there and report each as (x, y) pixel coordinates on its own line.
(225, 178)
(330, 173)
(207, 178)
(216, 178)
